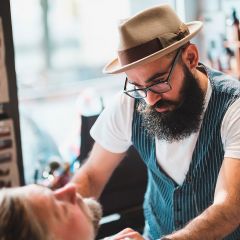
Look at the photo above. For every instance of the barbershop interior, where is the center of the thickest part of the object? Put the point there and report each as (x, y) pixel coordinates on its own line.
(54, 85)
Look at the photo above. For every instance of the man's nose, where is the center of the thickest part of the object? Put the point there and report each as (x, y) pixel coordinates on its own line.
(67, 193)
(152, 98)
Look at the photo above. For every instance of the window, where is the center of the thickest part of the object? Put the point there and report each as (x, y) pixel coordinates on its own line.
(61, 47)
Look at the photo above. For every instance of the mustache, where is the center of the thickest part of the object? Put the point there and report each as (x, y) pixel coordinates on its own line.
(146, 108)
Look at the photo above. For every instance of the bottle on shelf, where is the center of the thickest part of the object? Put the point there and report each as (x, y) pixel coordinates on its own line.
(233, 29)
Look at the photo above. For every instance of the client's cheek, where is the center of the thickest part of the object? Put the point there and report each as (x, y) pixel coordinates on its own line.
(94, 211)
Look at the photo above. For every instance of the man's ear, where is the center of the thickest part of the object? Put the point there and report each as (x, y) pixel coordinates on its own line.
(190, 56)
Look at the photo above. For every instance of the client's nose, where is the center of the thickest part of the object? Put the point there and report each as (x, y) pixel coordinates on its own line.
(67, 193)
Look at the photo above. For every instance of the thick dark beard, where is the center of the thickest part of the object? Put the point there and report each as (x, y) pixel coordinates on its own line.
(183, 121)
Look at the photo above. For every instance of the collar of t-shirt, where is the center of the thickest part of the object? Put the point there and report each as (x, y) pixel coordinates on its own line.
(175, 158)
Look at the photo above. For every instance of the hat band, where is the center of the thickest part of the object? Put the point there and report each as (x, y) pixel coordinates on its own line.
(133, 54)
(143, 50)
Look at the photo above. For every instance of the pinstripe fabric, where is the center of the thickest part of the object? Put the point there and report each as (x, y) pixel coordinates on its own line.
(168, 206)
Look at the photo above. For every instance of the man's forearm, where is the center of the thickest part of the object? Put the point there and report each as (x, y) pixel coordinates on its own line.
(214, 223)
(93, 176)
(85, 185)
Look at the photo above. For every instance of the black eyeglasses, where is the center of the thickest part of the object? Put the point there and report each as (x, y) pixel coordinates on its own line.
(159, 87)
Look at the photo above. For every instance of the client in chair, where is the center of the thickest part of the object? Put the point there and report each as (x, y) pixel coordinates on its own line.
(37, 213)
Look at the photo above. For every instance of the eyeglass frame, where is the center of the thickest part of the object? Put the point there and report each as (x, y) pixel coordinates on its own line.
(146, 89)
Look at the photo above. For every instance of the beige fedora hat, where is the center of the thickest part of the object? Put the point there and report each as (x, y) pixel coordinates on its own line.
(149, 35)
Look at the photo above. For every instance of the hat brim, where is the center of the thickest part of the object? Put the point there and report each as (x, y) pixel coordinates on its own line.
(114, 66)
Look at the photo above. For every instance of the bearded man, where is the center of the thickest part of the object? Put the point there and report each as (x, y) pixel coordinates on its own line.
(183, 118)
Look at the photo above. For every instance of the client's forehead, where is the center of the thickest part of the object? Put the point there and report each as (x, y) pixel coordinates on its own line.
(36, 189)
(30, 191)
(42, 202)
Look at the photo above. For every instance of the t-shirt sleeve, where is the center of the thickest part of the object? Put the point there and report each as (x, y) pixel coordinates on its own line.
(113, 128)
(230, 131)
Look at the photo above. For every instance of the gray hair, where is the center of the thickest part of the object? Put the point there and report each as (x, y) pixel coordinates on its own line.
(17, 220)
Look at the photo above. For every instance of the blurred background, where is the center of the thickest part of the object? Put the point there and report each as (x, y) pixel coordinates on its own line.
(52, 89)
(61, 47)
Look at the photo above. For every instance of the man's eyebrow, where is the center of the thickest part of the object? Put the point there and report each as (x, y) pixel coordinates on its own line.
(133, 83)
(157, 75)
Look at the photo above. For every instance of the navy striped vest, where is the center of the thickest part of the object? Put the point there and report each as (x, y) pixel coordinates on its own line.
(168, 206)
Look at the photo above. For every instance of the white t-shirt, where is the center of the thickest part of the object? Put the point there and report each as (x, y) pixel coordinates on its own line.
(113, 131)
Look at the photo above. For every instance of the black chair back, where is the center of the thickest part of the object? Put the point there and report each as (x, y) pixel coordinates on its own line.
(124, 193)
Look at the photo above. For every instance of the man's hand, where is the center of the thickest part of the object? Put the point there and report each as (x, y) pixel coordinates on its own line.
(126, 234)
